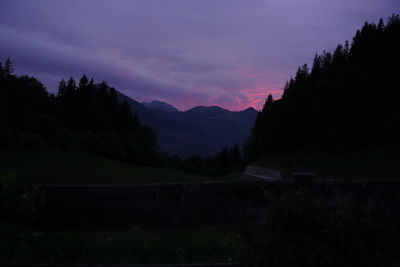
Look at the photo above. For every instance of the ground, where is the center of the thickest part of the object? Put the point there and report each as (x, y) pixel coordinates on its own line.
(63, 167)
(370, 163)
(133, 247)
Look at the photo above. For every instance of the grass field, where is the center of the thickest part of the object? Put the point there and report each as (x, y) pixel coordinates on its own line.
(61, 167)
(364, 164)
(106, 247)
(133, 247)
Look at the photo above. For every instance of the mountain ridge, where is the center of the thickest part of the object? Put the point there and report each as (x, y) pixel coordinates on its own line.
(156, 104)
(200, 130)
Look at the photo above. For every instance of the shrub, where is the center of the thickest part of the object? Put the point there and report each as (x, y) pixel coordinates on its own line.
(20, 204)
(303, 229)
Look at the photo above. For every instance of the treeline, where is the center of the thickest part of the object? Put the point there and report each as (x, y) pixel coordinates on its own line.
(84, 116)
(87, 116)
(347, 100)
(227, 161)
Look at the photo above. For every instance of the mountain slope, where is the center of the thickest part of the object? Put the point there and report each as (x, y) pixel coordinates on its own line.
(155, 104)
(200, 130)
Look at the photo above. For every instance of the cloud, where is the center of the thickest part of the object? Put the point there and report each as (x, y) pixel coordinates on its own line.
(200, 52)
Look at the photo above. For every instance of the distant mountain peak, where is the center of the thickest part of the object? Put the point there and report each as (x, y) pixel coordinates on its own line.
(156, 104)
(249, 110)
(207, 108)
(201, 130)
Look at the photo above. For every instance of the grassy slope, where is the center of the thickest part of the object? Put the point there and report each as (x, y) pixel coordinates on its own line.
(59, 167)
(366, 164)
(133, 247)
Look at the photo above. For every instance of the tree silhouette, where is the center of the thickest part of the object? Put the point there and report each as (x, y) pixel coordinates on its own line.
(62, 89)
(8, 67)
(2, 72)
(347, 101)
(88, 115)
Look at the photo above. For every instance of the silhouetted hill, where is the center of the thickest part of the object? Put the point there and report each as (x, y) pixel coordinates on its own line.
(200, 130)
(82, 116)
(347, 100)
(155, 104)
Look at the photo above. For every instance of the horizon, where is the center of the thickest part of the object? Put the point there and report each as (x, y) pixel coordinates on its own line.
(188, 54)
(149, 102)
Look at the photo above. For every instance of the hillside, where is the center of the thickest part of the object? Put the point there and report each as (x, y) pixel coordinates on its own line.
(60, 167)
(201, 130)
(84, 116)
(155, 104)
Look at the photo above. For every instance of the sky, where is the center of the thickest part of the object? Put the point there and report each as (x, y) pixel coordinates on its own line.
(230, 53)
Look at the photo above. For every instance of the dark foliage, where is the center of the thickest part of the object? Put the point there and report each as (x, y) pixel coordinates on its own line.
(20, 203)
(303, 228)
(86, 116)
(89, 117)
(222, 163)
(347, 100)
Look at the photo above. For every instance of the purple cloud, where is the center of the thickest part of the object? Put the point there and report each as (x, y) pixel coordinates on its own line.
(200, 52)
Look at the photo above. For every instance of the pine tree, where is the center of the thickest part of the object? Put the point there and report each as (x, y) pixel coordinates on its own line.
(83, 82)
(126, 119)
(8, 68)
(1, 71)
(71, 86)
(62, 89)
(338, 55)
(336, 105)
(268, 103)
(316, 66)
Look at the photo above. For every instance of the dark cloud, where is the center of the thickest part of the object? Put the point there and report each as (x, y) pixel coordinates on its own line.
(200, 52)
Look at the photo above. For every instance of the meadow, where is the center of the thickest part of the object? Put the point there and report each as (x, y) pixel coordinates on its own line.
(74, 167)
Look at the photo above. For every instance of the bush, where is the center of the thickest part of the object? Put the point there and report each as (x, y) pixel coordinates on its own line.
(20, 204)
(21, 139)
(302, 229)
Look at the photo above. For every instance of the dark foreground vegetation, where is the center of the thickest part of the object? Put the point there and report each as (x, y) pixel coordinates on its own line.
(301, 227)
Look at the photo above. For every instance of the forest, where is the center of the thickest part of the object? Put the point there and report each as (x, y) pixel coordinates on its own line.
(347, 100)
(88, 116)
(84, 115)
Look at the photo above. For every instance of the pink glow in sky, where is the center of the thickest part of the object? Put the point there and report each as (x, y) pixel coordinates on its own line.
(230, 53)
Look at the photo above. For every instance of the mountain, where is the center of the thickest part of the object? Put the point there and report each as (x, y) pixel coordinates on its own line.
(155, 104)
(201, 130)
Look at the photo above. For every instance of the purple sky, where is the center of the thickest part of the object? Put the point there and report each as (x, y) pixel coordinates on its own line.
(230, 53)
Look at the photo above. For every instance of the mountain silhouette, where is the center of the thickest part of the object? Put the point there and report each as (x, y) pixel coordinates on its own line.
(200, 131)
(155, 104)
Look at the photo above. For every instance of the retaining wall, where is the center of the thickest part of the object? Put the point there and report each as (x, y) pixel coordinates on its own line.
(186, 205)
(152, 205)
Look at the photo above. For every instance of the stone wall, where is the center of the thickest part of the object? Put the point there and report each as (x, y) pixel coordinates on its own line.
(153, 205)
(187, 205)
